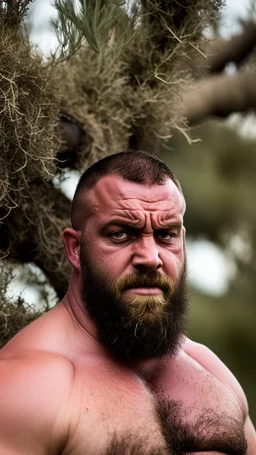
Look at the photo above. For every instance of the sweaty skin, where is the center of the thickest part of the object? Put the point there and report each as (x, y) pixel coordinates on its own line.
(63, 392)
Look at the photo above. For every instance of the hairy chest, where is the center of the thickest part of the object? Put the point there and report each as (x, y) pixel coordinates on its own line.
(119, 414)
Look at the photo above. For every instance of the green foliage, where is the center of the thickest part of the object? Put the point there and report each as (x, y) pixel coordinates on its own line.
(100, 22)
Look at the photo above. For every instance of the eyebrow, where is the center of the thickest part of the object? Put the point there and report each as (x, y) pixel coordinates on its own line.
(134, 225)
(118, 222)
(174, 225)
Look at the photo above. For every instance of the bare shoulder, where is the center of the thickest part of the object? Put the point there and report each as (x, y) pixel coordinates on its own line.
(212, 363)
(34, 395)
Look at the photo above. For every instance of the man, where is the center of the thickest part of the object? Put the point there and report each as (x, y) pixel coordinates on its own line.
(108, 371)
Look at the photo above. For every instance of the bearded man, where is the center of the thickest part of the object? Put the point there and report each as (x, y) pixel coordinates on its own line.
(109, 370)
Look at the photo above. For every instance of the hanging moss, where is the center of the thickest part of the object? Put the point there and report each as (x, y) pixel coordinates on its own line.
(29, 106)
(14, 313)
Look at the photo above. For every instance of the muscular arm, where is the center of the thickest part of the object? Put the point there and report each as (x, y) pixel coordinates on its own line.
(33, 397)
(216, 367)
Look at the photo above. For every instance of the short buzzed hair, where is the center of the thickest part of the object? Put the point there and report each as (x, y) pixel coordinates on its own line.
(133, 165)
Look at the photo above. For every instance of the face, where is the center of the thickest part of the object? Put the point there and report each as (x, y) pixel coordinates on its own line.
(133, 266)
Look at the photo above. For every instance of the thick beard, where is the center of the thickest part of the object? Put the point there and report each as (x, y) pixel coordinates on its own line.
(135, 327)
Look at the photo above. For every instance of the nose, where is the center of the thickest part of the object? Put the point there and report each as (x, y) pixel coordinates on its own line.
(146, 255)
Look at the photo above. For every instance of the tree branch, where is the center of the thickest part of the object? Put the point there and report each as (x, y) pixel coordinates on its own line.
(220, 52)
(219, 95)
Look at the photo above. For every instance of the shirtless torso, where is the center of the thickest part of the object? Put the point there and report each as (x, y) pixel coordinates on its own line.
(62, 389)
(79, 401)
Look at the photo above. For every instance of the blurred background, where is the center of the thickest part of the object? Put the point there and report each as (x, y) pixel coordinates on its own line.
(216, 169)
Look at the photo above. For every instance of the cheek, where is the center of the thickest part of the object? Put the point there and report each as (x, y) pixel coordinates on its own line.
(173, 263)
(109, 260)
(114, 255)
(115, 262)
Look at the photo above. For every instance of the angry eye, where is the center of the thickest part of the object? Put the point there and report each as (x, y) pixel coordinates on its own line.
(165, 236)
(119, 236)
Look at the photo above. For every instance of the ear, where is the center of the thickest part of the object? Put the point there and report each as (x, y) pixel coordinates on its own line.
(71, 241)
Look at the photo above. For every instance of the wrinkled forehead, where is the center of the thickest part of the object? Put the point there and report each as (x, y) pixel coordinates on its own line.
(113, 190)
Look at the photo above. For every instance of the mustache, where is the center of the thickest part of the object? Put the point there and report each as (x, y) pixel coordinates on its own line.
(154, 279)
